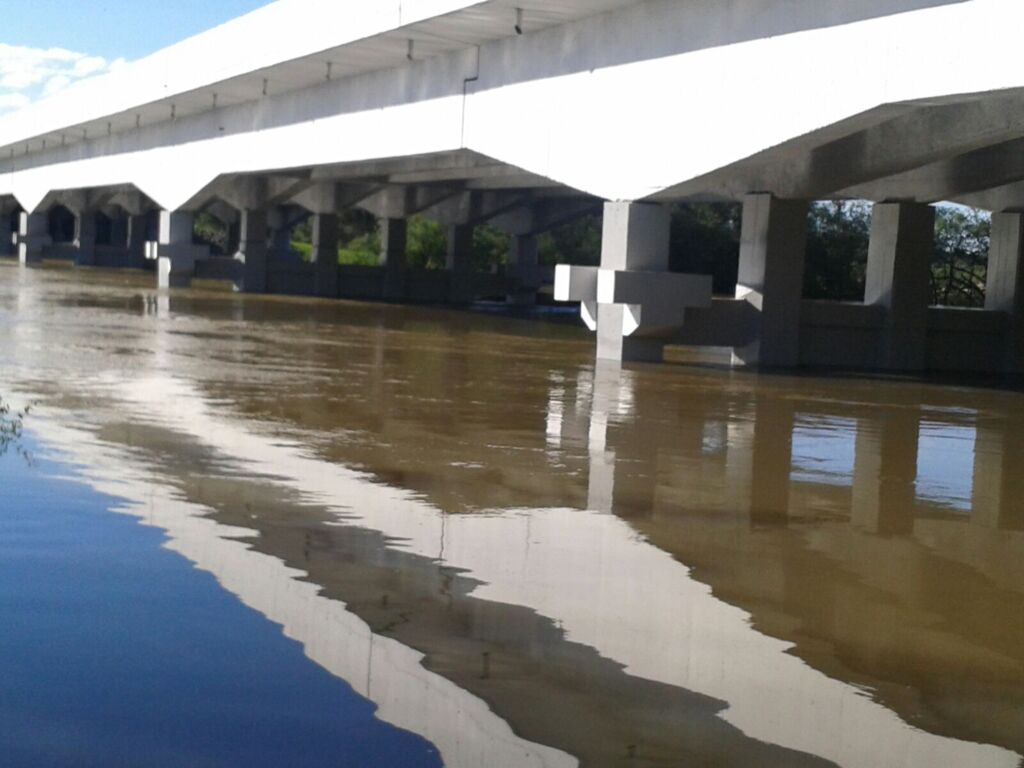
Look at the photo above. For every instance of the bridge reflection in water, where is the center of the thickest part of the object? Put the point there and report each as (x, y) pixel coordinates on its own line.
(540, 562)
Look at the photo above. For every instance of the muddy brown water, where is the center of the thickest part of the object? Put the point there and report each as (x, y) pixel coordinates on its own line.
(530, 559)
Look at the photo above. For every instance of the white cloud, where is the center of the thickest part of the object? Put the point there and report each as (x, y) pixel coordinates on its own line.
(13, 100)
(27, 74)
(56, 83)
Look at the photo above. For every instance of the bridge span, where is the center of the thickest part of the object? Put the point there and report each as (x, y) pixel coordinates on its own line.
(526, 114)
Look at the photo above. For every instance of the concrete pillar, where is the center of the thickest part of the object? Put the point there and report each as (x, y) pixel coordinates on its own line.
(119, 227)
(281, 243)
(460, 248)
(33, 236)
(138, 236)
(393, 236)
(325, 254)
(459, 263)
(252, 244)
(234, 241)
(773, 244)
(85, 238)
(902, 242)
(176, 255)
(885, 472)
(1004, 286)
(279, 223)
(523, 260)
(634, 237)
(7, 234)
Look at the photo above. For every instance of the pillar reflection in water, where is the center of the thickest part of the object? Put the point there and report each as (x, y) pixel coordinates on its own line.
(843, 556)
(997, 494)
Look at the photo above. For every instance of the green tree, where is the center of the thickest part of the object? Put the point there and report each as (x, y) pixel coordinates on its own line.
(575, 242)
(426, 243)
(960, 264)
(705, 240)
(838, 234)
(490, 248)
(209, 230)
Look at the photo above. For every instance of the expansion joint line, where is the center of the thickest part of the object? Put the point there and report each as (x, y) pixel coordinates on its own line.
(467, 87)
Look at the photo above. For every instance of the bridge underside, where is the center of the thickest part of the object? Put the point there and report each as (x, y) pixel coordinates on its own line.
(565, 117)
(632, 301)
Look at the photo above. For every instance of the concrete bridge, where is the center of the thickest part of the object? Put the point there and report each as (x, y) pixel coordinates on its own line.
(525, 114)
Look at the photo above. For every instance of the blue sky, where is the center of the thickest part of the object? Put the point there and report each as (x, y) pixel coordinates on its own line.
(113, 29)
(47, 44)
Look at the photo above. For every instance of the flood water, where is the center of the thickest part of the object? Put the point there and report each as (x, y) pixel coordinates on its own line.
(278, 531)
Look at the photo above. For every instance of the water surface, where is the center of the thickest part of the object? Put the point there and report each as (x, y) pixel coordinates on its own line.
(526, 559)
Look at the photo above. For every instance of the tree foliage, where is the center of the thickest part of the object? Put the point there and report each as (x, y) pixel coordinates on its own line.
(837, 250)
(960, 264)
(575, 242)
(705, 240)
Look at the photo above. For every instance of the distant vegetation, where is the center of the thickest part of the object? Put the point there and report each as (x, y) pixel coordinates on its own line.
(705, 240)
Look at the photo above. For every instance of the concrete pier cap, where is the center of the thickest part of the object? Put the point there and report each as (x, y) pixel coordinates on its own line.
(632, 301)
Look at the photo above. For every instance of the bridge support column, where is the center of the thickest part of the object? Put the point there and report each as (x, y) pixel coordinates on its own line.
(632, 300)
(325, 254)
(85, 238)
(523, 262)
(137, 238)
(33, 236)
(119, 230)
(252, 244)
(8, 231)
(902, 241)
(393, 235)
(773, 243)
(634, 237)
(176, 253)
(1004, 288)
(459, 263)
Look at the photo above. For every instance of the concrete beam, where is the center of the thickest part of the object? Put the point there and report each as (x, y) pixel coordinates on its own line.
(471, 208)
(962, 176)
(897, 140)
(318, 199)
(902, 243)
(224, 212)
(536, 216)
